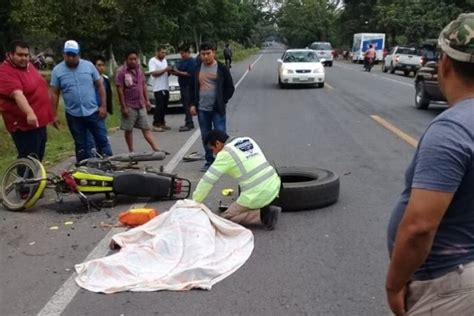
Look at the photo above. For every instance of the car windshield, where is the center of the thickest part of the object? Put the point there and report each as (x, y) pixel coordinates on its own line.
(407, 51)
(321, 46)
(300, 57)
(173, 61)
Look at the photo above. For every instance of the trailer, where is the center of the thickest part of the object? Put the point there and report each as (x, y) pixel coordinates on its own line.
(361, 44)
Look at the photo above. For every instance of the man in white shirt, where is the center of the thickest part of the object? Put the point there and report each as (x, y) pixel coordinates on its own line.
(159, 70)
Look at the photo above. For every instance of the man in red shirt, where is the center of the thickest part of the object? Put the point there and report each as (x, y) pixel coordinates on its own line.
(24, 101)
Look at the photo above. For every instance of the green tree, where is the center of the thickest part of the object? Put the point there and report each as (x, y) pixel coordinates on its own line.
(304, 21)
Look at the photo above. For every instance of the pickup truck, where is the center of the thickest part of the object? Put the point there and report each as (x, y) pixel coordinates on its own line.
(405, 59)
(426, 86)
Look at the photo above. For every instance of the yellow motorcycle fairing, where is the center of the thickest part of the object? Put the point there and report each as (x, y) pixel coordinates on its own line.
(104, 180)
(41, 184)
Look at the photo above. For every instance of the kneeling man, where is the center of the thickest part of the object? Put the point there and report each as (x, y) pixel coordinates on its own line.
(241, 158)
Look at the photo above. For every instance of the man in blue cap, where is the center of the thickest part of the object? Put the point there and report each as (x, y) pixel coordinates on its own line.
(78, 80)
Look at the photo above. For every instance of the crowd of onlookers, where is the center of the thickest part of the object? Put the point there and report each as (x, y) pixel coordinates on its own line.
(28, 105)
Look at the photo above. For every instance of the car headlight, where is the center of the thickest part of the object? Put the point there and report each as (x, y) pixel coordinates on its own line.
(288, 71)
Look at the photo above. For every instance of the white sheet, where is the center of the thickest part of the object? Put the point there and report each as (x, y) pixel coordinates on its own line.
(187, 247)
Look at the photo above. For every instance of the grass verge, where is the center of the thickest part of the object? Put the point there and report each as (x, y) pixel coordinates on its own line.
(60, 143)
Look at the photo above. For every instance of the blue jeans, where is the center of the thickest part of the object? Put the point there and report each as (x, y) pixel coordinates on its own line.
(80, 128)
(32, 142)
(207, 120)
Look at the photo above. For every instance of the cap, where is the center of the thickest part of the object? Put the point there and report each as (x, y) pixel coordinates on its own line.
(457, 38)
(71, 47)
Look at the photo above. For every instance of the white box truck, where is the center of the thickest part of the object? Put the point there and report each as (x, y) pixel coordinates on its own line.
(361, 44)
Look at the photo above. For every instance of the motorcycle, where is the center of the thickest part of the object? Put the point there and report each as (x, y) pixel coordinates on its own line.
(368, 64)
(26, 179)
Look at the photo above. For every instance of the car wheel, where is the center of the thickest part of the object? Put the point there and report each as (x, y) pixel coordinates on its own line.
(392, 69)
(280, 84)
(330, 64)
(306, 188)
(321, 84)
(421, 99)
(384, 68)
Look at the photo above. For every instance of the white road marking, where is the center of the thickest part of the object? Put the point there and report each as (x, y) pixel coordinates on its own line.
(398, 81)
(64, 295)
(329, 86)
(375, 75)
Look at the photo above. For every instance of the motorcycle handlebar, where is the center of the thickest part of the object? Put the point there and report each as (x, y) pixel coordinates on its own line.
(135, 157)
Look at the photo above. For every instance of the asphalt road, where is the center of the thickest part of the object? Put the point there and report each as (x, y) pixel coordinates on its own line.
(326, 262)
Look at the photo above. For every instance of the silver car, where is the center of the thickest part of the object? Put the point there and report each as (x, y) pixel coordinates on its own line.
(175, 94)
(324, 51)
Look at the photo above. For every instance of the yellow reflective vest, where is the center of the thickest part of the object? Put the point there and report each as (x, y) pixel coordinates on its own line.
(242, 159)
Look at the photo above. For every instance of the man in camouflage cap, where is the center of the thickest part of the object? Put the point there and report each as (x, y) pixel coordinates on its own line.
(431, 230)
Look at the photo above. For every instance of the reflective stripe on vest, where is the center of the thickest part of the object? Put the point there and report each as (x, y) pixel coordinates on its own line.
(247, 175)
(209, 179)
(237, 160)
(214, 172)
(251, 173)
(259, 180)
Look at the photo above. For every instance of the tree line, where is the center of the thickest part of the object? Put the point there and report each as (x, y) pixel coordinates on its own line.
(116, 25)
(405, 22)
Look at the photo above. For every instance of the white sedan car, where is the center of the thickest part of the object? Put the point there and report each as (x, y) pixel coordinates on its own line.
(300, 66)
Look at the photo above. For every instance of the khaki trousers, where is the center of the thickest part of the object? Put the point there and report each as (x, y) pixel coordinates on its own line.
(242, 215)
(451, 294)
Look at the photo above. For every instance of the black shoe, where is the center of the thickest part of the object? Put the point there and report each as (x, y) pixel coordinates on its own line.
(269, 216)
(185, 128)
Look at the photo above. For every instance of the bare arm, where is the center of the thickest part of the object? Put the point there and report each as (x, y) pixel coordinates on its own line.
(145, 94)
(102, 96)
(158, 73)
(414, 238)
(54, 93)
(25, 107)
(181, 73)
(54, 97)
(121, 97)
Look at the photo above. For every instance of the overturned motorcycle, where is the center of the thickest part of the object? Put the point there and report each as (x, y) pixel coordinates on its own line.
(26, 179)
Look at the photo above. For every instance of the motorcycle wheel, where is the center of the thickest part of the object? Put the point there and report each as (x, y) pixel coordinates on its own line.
(18, 195)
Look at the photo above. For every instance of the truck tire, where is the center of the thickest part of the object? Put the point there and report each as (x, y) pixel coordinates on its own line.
(306, 188)
(392, 69)
(422, 101)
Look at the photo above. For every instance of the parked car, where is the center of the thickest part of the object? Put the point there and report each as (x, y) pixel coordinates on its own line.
(300, 66)
(426, 86)
(324, 51)
(175, 94)
(406, 59)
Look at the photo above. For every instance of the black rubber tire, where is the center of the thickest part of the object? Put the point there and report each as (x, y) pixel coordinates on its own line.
(330, 64)
(33, 170)
(422, 102)
(321, 85)
(384, 69)
(306, 188)
(280, 84)
(392, 70)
